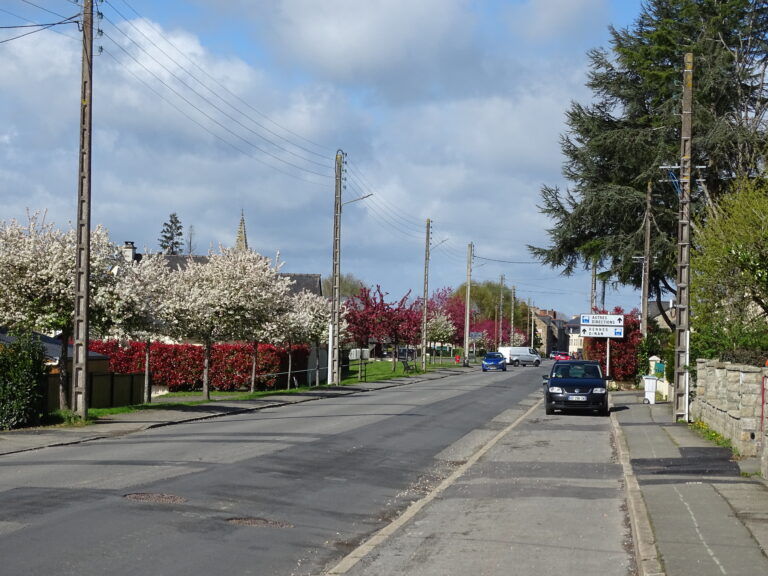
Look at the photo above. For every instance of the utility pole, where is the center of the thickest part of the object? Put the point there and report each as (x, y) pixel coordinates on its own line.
(512, 319)
(426, 295)
(467, 304)
(593, 292)
(501, 311)
(646, 263)
(336, 297)
(531, 328)
(682, 329)
(83, 227)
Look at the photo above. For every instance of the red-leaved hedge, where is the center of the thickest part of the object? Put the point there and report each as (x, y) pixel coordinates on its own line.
(180, 366)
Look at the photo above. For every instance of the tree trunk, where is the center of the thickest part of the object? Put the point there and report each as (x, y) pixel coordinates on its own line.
(206, 369)
(290, 364)
(147, 373)
(254, 362)
(395, 357)
(63, 373)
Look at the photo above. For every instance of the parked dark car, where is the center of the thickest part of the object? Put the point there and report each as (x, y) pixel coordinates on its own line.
(494, 361)
(576, 385)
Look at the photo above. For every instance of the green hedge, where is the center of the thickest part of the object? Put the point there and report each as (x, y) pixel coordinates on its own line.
(22, 365)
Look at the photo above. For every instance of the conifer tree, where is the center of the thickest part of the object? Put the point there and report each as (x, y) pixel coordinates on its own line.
(617, 143)
(171, 236)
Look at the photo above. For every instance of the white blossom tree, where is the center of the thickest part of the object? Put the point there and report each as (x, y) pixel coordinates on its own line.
(304, 322)
(37, 281)
(137, 308)
(440, 328)
(228, 297)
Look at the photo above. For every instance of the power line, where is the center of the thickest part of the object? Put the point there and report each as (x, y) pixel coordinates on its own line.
(45, 9)
(200, 124)
(505, 261)
(40, 27)
(325, 151)
(206, 100)
(212, 92)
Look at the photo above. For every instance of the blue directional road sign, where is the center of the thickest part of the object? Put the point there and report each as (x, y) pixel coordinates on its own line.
(602, 320)
(602, 331)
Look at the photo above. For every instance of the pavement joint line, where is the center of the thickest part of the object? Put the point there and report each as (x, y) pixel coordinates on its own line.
(643, 538)
(382, 535)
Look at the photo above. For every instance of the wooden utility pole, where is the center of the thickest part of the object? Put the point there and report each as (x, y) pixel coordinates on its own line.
(467, 304)
(593, 291)
(501, 311)
(83, 226)
(334, 348)
(512, 319)
(682, 330)
(646, 263)
(426, 296)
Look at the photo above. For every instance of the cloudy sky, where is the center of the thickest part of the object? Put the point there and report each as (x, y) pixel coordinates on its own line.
(446, 109)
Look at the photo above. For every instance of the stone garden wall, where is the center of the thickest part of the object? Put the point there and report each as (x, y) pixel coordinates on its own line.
(730, 399)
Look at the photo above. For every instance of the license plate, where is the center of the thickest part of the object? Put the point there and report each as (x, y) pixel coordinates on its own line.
(577, 398)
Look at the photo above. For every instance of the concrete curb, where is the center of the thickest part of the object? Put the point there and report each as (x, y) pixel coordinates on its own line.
(644, 541)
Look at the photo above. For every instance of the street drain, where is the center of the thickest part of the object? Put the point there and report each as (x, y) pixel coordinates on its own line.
(155, 498)
(259, 522)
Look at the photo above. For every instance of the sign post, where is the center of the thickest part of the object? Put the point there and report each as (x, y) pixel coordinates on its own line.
(603, 326)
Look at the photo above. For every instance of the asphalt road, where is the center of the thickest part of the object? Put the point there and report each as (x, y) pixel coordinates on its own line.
(295, 489)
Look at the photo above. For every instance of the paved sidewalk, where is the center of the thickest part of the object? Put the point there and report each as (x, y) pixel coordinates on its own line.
(693, 511)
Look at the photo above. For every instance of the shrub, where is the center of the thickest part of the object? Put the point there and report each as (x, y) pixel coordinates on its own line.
(180, 366)
(22, 366)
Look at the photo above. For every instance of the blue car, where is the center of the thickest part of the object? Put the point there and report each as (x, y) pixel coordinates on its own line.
(494, 361)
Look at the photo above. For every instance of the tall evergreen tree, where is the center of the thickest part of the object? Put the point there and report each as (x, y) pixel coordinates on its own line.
(171, 237)
(617, 143)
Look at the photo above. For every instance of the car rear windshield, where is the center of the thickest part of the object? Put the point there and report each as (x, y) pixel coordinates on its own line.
(494, 355)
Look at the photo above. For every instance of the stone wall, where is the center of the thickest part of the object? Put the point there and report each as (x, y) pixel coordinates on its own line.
(730, 400)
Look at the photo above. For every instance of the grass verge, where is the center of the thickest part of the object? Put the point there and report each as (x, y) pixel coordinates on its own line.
(374, 372)
(703, 430)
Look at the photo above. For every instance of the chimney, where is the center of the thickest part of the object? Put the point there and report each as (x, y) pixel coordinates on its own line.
(129, 251)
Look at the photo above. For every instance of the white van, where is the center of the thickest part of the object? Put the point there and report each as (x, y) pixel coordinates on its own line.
(520, 355)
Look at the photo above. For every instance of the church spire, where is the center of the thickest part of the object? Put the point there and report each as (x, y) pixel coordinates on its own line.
(241, 243)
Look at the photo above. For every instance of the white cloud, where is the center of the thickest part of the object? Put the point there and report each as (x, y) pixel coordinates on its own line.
(545, 21)
(446, 112)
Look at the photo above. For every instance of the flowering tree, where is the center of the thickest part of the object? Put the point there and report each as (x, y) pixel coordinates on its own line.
(364, 314)
(305, 321)
(137, 310)
(401, 324)
(226, 298)
(270, 300)
(454, 308)
(37, 281)
(440, 328)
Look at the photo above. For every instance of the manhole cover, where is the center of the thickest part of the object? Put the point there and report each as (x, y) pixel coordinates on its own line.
(259, 522)
(156, 498)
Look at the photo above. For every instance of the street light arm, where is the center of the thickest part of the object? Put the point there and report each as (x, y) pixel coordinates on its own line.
(356, 199)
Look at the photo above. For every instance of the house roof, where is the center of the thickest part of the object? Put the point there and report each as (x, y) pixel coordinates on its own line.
(301, 282)
(51, 346)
